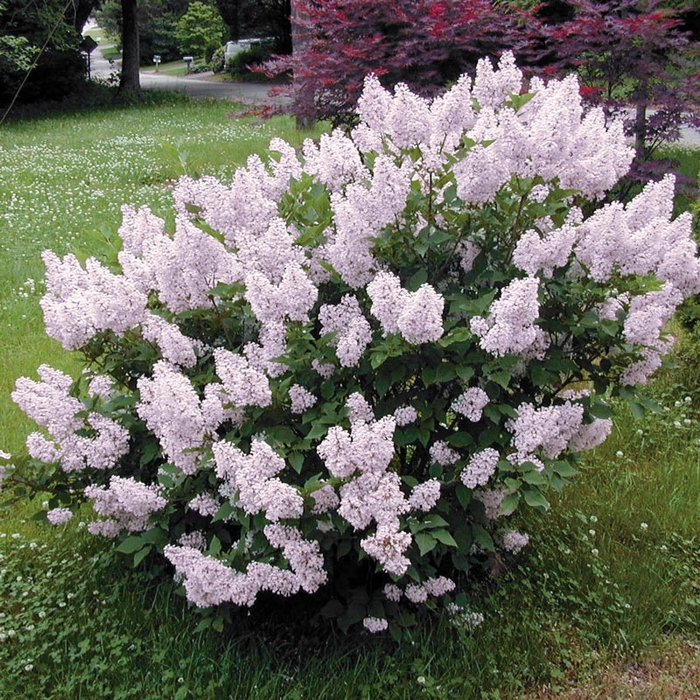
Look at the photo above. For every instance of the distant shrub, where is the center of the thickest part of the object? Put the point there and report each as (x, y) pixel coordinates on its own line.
(218, 60)
(239, 66)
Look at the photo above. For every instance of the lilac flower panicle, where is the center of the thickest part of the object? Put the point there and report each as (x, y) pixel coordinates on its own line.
(204, 504)
(480, 468)
(510, 327)
(471, 403)
(375, 624)
(301, 399)
(58, 516)
(325, 499)
(387, 547)
(126, 503)
(441, 453)
(549, 428)
(514, 541)
(359, 410)
(424, 496)
(405, 415)
(492, 499)
(352, 331)
(171, 408)
(244, 385)
(253, 477)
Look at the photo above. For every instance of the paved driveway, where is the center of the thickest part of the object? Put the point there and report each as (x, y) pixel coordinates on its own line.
(196, 84)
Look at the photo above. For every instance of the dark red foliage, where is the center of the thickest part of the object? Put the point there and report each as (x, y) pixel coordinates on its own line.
(638, 61)
(423, 43)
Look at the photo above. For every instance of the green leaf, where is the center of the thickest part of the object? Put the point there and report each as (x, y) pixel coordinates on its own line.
(377, 359)
(461, 439)
(456, 335)
(419, 278)
(535, 478)
(296, 460)
(483, 538)
(225, 511)
(564, 468)
(510, 503)
(444, 536)
(426, 543)
(464, 495)
(317, 431)
(142, 554)
(131, 544)
(501, 377)
(435, 520)
(536, 500)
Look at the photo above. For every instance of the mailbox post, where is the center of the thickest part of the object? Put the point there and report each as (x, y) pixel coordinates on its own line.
(189, 60)
(156, 60)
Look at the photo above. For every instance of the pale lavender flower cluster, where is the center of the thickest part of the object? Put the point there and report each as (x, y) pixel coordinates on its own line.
(405, 415)
(325, 499)
(463, 618)
(480, 468)
(420, 592)
(591, 435)
(359, 410)
(172, 409)
(291, 299)
(513, 541)
(352, 330)
(58, 516)
(537, 252)
(374, 494)
(375, 624)
(253, 478)
(243, 384)
(195, 539)
(79, 303)
(510, 327)
(126, 503)
(359, 214)
(471, 403)
(301, 399)
(492, 499)
(424, 496)
(441, 453)
(551, 135)
(49, 404)
(549, 428)
(204, 504)
(417, 316)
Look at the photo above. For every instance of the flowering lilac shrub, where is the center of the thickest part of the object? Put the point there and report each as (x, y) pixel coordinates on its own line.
(342, 372)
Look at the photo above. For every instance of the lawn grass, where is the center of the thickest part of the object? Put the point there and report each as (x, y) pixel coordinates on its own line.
(611, 570)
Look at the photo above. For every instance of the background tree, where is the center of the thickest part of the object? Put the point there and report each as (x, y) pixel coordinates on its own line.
(201, 30)
(157, 26)
(630, 57)
(129, 82)
(424, 43)
(40, 48)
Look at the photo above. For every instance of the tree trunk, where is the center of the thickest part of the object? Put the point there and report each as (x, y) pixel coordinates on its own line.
(299, 43)
(640, 120)
(130, 83)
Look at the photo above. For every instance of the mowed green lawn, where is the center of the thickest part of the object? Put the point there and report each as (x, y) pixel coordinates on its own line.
(610, 572)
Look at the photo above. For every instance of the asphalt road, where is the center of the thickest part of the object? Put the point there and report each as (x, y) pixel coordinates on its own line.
(208, 85)
(196, 84)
